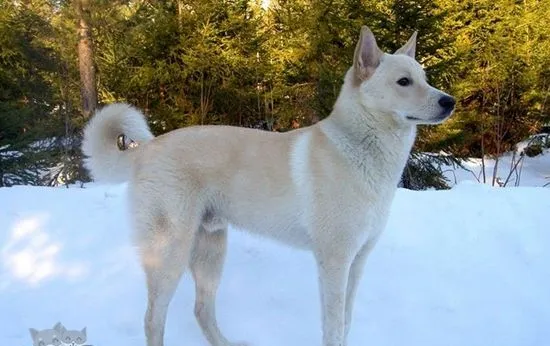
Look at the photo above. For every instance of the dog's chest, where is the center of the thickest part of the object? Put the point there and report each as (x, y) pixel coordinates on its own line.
(280, 219)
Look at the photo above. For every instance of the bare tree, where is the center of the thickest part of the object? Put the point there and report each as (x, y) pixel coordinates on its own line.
(88, 87)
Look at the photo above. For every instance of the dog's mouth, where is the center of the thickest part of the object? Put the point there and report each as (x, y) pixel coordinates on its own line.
(444, 115)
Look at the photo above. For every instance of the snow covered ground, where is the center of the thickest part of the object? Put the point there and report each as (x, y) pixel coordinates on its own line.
(467, 266)
(532, 171)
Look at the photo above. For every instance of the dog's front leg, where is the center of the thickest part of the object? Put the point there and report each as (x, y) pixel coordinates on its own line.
(333, 277)
(355, 274)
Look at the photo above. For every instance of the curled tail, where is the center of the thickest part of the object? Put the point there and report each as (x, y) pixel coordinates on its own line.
(104, 160)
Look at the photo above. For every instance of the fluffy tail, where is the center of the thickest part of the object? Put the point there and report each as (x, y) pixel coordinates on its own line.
(104, 160)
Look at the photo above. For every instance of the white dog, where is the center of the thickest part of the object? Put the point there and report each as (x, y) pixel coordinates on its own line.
(326, 188)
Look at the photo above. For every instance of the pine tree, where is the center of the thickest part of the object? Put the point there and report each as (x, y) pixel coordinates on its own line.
(187, 62)
(27, 99)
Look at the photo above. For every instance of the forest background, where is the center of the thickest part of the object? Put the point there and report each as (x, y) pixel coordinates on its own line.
(274, 65)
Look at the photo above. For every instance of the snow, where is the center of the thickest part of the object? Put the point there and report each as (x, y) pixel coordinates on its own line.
(466, 266)
(534, 171)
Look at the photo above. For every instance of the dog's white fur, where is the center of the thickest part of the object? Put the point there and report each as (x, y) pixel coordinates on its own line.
(326, 188)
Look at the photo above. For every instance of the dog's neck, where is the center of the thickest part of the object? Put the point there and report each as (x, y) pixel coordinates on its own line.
(367, 141)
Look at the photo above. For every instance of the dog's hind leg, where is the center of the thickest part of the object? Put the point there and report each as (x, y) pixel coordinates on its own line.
(165, 252)
(206, 266)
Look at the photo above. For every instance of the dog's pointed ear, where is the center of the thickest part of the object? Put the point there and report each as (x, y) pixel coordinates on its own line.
(367, 54)
(410, 47)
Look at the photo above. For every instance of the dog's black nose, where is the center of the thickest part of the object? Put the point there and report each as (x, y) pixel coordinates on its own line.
(447, 102)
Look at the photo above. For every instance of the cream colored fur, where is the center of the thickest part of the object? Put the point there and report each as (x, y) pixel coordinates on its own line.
(326, 188)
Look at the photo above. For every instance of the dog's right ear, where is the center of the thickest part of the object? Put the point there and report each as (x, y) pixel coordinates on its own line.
(367, 54)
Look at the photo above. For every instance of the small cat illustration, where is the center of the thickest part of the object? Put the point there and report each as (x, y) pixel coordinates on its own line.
(58, 336)
(46, 337)
(73, 337)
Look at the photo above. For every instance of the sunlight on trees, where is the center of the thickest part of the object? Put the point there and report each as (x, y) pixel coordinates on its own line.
(274, 65)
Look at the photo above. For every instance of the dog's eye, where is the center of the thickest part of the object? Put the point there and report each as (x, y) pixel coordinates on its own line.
(404, 81)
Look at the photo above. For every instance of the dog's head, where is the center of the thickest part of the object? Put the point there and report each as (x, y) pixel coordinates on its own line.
(395, 84)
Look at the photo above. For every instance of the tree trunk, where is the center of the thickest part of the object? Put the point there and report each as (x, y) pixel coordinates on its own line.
(88, 88)
(180, 14)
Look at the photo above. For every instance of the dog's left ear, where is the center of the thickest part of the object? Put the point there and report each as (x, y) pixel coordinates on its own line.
(410, 47)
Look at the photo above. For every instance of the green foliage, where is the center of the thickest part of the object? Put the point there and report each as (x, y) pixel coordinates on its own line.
(425, 171)
(533, 150)
(195, 63)
(501, 78)
(27, 98)
(236, 62)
